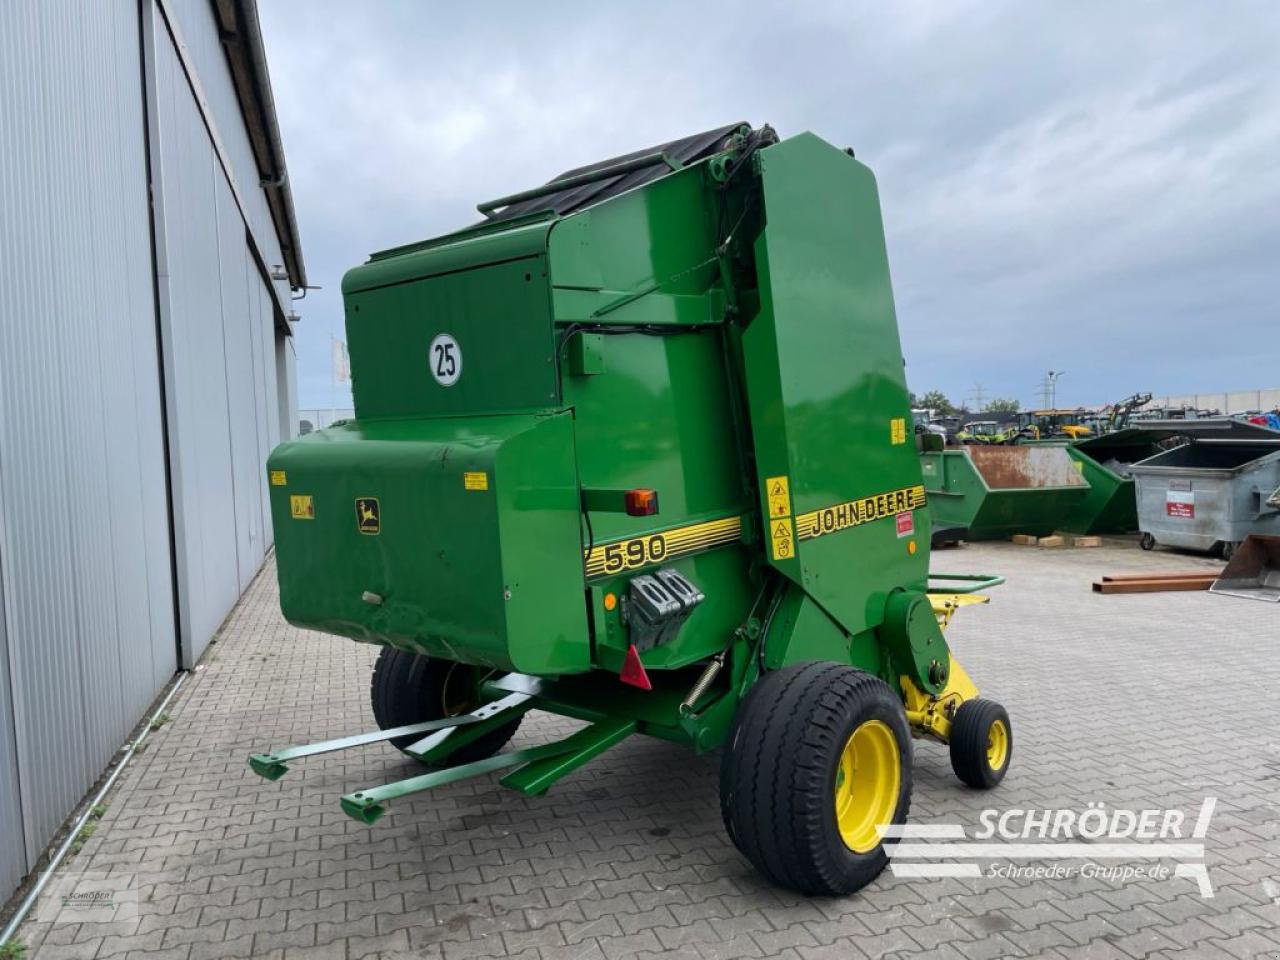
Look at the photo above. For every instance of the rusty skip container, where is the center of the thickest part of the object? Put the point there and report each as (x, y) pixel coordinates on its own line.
(999, 491)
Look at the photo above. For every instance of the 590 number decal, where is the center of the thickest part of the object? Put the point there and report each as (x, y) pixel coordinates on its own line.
(621, 555)
(628, 554)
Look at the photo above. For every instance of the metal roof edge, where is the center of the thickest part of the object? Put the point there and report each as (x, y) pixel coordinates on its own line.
(241, 38)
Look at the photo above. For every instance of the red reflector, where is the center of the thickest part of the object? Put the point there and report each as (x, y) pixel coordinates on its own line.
(633, 670)
(642, 502)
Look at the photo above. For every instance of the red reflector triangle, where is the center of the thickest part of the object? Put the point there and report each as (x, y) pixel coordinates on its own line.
(633, 670)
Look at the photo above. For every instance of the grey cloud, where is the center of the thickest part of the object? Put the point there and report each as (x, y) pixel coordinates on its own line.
(1090, 186)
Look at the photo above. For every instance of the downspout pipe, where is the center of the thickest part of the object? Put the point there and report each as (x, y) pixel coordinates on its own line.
(278, 181)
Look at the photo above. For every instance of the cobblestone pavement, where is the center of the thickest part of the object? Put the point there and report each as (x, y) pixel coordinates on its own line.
(1134, 701)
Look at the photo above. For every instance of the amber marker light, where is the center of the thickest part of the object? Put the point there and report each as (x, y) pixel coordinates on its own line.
(642, 502)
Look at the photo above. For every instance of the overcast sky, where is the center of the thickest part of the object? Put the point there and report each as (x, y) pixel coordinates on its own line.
(1087, 187)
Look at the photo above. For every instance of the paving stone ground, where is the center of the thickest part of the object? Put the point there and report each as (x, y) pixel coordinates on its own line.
(1155, 700)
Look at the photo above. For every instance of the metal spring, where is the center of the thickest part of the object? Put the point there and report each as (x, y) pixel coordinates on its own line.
(704, 683)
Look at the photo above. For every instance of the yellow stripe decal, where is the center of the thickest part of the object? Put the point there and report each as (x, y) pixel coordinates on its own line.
(620, 556)
(854, 513)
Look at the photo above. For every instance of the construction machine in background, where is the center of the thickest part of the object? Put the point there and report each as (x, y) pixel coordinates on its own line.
(1119, 414)
(989, 433)
(1056, 424)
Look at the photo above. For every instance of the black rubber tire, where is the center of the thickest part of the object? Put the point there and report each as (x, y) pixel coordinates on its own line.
(1227, 550)
(1147, 542)
(409, 688)
(778, 774)
(970, 729)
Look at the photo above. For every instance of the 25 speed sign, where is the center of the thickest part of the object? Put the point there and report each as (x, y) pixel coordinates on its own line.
(445, 358)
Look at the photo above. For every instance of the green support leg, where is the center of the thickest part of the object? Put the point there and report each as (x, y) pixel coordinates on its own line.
(535, 778)
(436, 746)
(274, 765)
(369, 805)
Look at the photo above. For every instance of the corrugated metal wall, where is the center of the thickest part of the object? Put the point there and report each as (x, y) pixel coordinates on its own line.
(219, 342)
(13, 857)
(194, 20)
(90, 315)
(87, 577)
(286, 373)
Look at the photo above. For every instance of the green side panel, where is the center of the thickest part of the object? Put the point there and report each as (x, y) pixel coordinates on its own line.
(447, 254)
(654, 411)
(824, 377)
(801, 630)
(999, 491)
(647, 256)
(477, 553)
(497, 311)
(657, 417)
(1111, 505)
(658, 414)
(723, 576)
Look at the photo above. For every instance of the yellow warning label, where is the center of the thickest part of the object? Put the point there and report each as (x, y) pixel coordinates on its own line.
(854, 513)
(301, 507)
(898, 430)
(278, 478)
(622, 555)
(778, 492)
(782, 538)
(475, 480)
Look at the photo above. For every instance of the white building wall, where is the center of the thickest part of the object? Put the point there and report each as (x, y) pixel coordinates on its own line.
(1234, 401)
(214, 306)
(197, 29)
(133, 374)
(85, 573)
(286, 371)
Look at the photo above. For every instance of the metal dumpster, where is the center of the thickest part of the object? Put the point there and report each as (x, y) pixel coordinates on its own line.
(1212, 491)
(999, 491)
(1111, 505)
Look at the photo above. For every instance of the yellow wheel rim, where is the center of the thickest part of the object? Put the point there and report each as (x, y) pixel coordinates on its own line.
(868, 780)
(457, 692)
(997, 745)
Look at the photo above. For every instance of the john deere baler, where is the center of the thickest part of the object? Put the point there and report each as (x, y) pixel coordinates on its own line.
(635, 449)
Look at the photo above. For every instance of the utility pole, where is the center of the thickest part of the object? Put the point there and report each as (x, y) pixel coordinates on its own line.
(979, 398)
(1049, 389)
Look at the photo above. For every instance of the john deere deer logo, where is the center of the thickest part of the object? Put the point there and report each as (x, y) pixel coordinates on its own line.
(367, 516)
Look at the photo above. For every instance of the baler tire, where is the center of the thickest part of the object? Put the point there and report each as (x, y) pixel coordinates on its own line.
(1147, 542)
(792, 736)
(981, 743)
(409, 688)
